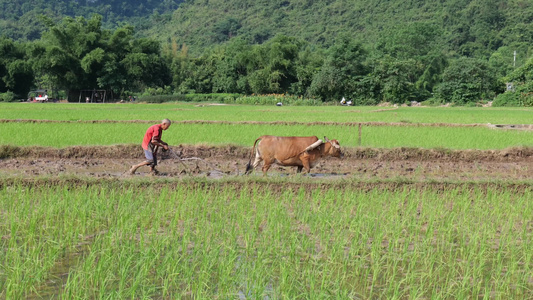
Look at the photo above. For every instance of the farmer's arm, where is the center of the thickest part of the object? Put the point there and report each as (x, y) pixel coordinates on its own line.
(156, 140)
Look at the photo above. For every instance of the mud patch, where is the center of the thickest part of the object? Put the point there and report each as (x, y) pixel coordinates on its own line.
(512, 126)
(229, 152)
(230, 161)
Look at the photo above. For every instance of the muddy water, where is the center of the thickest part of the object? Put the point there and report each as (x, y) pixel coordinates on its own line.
(225, 161)
(217, 168)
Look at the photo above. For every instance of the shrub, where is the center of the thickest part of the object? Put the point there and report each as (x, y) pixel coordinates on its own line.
(432, 102)
(507, 99)
(467, 80)
(219, 98)
(160, 98)
(273, 99)
(7, 96)
(365, 101)
(526, 99)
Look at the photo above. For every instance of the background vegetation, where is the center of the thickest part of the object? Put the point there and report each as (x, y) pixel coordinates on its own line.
(459, 51)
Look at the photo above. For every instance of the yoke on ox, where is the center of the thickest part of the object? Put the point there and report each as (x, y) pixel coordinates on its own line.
(301, 152)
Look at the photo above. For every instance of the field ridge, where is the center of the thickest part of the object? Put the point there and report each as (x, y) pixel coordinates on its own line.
(272, 185)
(405, 124)
(513, 154)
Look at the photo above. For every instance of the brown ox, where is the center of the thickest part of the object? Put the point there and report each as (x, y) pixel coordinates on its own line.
(301, 152)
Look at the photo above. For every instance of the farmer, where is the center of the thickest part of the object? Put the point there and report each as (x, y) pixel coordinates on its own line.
(151, 143)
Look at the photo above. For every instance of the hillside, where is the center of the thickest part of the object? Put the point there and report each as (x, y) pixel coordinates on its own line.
(467, 27)
(458, 51)
(23, 19)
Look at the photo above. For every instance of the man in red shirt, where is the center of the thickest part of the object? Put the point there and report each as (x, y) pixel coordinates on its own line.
(151, 143)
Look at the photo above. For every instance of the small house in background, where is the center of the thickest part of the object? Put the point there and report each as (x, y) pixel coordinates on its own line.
(509, 87)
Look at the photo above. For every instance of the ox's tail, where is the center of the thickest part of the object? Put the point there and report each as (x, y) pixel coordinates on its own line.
(249, 166)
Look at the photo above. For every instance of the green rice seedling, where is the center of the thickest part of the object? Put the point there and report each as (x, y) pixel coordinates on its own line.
(63, 135)
(257, 239)
(181, 111)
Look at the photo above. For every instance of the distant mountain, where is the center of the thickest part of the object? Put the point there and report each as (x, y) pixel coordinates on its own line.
(23, 19)
(476, 28)
(466, 27)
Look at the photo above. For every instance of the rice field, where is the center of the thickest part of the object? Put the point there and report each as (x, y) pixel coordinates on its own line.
(61, 135)
(65, 236)
(71, 128)
(255, 241)
(194, 111)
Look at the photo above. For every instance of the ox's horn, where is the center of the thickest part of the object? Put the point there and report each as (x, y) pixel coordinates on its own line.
(314, 145)
(326, 139)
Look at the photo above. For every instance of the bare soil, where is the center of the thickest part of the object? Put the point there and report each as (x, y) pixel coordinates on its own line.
(440, 165)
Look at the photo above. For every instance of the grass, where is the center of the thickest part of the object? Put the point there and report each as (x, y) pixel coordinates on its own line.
(192, 111)
(71, 134)
(72, 238)
(256, 240)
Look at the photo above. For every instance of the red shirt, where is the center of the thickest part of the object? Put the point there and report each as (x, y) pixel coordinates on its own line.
(153, 131)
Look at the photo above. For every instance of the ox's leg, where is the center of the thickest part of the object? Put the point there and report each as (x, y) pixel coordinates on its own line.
(266, 166)
(299, 169)
(306, 166)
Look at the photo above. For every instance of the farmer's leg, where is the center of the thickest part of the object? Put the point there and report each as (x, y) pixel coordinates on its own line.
(154, 164)
(149, 162)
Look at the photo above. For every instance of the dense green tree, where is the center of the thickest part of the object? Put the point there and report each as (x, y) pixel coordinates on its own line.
(342, 72)
(274, 68)
(16, 74)
(502, 61)
(65, 46)
(180, 69)
(269, 46)
(468, 80)
(23, 17)
(418, 40)
(226, 29)
(475, 27)
(78, 54)
(522, 80)
(396, 79)
(193, 75)
(308, 64)
(233, 61)
(410, 61)
(199, 78)
(431, 75)
(143, 64)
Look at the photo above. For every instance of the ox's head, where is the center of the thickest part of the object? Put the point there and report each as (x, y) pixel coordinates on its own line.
(335, 149)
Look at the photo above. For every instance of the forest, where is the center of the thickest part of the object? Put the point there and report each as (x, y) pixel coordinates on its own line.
(463, 52)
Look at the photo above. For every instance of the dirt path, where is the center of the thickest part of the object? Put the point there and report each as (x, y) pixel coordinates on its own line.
(220, 162)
